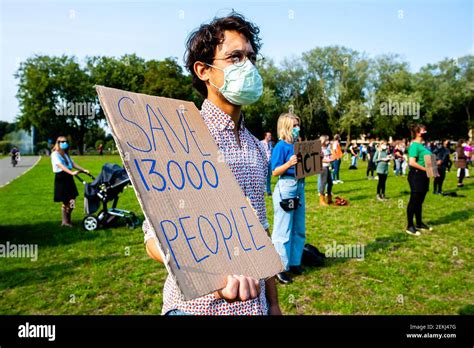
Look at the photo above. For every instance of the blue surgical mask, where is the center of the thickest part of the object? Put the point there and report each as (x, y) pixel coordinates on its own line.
(243, 85)
(64, 146)
(295, 133)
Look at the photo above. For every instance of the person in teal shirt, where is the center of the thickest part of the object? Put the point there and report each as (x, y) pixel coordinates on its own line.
(418, 180)
(381, 160)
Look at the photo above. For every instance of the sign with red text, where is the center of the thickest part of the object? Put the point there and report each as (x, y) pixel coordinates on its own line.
(309, 158)
(205, 227)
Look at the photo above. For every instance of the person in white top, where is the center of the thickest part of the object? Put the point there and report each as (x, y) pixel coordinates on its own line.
(268, 146)
(65, 189)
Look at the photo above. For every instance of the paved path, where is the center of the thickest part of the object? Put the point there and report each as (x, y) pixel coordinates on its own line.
(9, 173)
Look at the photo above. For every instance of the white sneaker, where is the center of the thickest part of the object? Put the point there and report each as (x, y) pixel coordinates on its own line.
(335, 182)
(341, 182)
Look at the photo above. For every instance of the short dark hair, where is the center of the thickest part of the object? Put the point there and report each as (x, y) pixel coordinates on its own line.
(416, 128)
(201, 43)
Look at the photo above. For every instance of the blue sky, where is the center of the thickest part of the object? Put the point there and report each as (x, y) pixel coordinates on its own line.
(420, 31)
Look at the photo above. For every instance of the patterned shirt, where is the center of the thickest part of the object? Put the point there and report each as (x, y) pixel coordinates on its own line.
(268, 148)
(249, 164)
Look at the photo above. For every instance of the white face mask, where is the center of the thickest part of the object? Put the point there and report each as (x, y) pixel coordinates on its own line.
(383, 147)
(243, 85)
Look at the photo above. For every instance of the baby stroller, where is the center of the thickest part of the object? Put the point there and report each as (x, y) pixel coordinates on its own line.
(102, 190)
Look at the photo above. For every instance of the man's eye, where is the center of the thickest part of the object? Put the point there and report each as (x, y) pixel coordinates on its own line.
(236, 57)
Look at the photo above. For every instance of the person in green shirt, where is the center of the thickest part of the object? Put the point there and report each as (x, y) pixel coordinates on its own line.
(418, 180)
(381, 159)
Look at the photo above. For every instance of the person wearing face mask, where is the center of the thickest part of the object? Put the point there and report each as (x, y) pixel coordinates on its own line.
(442, 158)
(418, 180)
(65, 189)
(325, 177)
(381, 159)
(289, 229)
(221, 57)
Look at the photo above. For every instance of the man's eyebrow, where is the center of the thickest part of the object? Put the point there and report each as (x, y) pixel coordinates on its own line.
(239, 50)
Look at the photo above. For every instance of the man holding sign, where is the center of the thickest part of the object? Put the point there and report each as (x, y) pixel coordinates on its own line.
(221, 57)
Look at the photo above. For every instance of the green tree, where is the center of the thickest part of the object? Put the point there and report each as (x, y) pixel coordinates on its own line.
(46, 86)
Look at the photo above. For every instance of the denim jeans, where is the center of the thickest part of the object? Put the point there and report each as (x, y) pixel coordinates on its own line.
(177, 312)
(289, 228)
(398, 166)
(354, 161)
(269, 179)
(325, 179)
(336, 164)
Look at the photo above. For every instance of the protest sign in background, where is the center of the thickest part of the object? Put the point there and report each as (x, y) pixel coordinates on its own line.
(205, 226)
(309, 158)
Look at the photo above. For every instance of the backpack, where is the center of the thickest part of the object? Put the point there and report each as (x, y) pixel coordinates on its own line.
(312, 256)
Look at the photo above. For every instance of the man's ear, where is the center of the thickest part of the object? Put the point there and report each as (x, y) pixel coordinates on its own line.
(201, 70)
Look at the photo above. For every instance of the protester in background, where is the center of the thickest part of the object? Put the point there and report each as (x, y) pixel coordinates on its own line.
(469, 154)
(221, 59)
(354, 151)
(450, 162)
(398, 156)
(337, 158)
(461, 161)
(65, 189)
(381, 159)
(371, 164)
(325, 178)
(268, 146)
(101, 149)
(418, 180)
(289, 229)
(442, 158)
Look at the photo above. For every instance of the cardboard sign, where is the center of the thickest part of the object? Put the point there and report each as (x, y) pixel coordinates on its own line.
(431, 166)
(309, 158)
(205, 226)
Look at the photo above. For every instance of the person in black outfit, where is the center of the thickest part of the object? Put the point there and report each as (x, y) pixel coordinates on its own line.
(442, 158)
(418, 180)
(371, 165)
(461, 161)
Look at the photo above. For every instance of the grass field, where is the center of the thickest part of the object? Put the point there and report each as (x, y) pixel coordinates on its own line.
(108, 271)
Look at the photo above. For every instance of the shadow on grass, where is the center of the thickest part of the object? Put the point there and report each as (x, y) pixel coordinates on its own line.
(23, 276)
(459, 215)
(390, 243)
(359, 197)
(44, 234)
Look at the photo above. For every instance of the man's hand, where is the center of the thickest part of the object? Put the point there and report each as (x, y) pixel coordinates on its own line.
(239, 288)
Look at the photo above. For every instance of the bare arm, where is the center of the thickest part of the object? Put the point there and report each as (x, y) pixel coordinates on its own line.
(77, 166)
(412, 162)
(284, 167)
(272, 296)
(64, 168)
(153, 251)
